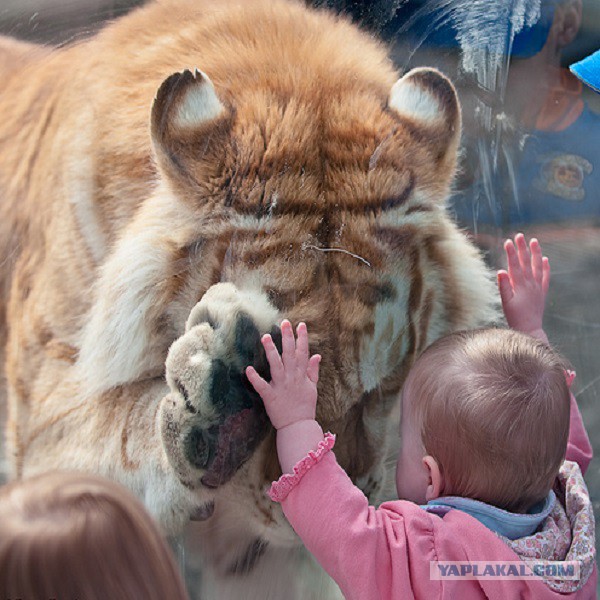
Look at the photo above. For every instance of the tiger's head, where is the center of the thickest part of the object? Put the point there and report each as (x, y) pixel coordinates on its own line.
(327, 198)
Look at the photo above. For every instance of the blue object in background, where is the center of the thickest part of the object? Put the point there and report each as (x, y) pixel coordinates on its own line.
(526, 43)
(557, 179)
(588, 70)
(530, 40)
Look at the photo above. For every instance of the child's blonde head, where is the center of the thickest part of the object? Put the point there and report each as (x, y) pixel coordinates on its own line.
(78, 536)
(493, 410)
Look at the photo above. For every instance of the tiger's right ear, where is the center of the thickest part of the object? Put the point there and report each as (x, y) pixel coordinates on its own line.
(189, 125)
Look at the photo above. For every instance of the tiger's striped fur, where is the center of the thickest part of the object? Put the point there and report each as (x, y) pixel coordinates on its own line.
(294, 168)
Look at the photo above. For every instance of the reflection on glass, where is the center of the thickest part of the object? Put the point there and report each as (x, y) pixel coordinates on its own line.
(530, 150)
(531, 134)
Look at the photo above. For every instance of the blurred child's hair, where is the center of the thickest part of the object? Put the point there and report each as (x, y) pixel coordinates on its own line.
(493, 407)
(66, 536)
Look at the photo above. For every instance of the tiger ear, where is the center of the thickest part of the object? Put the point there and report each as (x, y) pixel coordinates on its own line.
(427, 97)
(189, 124)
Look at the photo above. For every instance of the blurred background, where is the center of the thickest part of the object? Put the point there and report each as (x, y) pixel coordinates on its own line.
(531, 146)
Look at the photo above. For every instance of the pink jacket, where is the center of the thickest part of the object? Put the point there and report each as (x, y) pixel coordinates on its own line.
(385, 552)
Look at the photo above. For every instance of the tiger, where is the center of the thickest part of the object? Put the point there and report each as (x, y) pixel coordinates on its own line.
(170, 189)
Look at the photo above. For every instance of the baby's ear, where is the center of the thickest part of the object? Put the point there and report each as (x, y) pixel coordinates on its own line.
(189, 125)
(435, 478)
(427, 99)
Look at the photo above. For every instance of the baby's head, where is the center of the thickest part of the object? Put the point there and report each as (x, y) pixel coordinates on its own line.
(485, 415)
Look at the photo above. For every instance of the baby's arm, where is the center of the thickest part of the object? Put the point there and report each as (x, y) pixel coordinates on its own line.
(291, 397)
(358, 545)
(523, 288)
(579, 448)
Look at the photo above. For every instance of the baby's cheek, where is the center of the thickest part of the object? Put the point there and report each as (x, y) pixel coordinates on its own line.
(411, 479)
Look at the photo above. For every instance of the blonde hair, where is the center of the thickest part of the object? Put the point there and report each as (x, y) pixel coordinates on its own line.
(493, 407)
(66, 536)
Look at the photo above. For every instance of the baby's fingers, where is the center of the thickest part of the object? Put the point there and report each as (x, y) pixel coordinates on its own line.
(523, 254)
(258, 383)
(313, 368)
(505, 287)
(302, 347)
(536, 260)
(273, 357)
(288, 344)
(545, 274)
(514, 266)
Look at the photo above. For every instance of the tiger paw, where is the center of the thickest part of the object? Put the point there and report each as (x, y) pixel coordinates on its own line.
(213, 420)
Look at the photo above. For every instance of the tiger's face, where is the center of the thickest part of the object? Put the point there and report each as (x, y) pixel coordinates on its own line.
(327, 201)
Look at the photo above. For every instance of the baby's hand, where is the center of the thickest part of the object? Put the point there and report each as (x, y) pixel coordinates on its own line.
(524, 287)
(291, 395)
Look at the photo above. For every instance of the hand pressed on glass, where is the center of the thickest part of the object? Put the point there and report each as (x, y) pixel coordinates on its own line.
(524, 285)
(291, 395)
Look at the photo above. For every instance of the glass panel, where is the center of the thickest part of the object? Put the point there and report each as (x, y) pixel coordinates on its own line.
(531, 144)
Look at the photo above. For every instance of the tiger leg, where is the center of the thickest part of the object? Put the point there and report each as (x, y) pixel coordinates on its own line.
(213, 421)
(115, 434)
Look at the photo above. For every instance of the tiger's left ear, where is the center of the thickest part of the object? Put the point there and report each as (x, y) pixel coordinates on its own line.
(429, 99)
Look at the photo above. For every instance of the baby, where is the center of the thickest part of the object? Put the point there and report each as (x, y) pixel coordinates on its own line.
(490, 465)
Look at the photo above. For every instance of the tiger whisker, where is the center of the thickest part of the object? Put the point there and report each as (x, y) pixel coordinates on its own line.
(339, 250)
